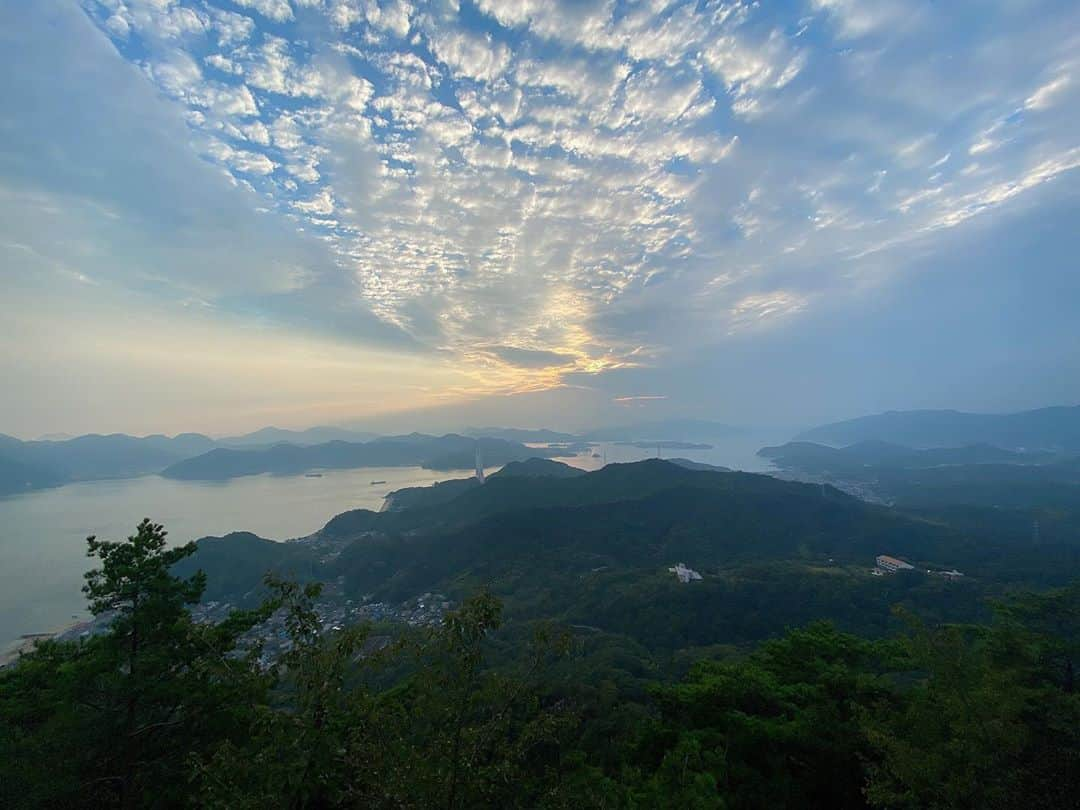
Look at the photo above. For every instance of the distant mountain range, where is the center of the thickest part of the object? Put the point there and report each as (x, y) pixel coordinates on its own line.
(449, 452)
(1056, 429)
(31, 465)
(28, 465)
(317, 435)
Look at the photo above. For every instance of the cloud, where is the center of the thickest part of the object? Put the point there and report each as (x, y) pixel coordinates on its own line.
(758, 310)
(323, 204)
(168, 224)
(536, 190)
(530, 358)
(276, 10)
(858, 18)
(1044, 96)
(240, 160)
(470, 56)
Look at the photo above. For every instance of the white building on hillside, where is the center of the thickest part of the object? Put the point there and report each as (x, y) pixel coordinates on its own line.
(891, 565)
(683, 573)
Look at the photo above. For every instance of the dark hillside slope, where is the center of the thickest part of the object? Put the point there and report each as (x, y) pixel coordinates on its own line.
(538, 468)
(437, 494)
(237, 563)
(706, 526)
(613, 483)
(769, 561)
(594, 551)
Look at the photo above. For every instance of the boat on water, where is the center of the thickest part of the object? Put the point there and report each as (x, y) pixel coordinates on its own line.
(312, 475)
(374, 483)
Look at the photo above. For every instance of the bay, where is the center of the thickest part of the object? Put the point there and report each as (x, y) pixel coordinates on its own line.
(43, 533)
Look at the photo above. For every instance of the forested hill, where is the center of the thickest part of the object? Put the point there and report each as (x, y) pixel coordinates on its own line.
(594, 549)
(1045, 486)
(613, 483)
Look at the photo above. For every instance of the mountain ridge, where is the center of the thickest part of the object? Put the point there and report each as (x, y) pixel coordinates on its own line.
(1052, 428)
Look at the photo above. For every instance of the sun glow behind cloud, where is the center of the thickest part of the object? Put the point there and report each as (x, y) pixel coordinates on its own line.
(494, 176)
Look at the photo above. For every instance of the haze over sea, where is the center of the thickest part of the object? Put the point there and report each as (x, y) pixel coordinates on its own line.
(43, 534)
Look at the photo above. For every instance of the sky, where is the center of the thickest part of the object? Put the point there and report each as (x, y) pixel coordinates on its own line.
(221, 214)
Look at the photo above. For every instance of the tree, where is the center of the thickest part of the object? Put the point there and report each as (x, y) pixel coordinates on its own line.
(779, 728)
(444, 730)
(988, 719)
(118, 713)
(312, 742)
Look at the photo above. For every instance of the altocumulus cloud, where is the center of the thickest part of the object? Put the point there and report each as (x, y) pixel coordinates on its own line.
(554, 188)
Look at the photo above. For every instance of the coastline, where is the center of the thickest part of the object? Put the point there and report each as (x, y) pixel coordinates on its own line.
(26, 642)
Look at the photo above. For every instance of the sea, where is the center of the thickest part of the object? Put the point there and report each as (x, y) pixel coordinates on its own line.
(43, 533)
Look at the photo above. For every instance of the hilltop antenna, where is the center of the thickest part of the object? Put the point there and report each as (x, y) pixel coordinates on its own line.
(479, 464)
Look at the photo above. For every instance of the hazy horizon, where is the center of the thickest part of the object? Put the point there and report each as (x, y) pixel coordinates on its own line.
(409, 422)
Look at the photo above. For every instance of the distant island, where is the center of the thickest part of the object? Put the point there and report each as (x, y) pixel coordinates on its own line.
(449, 452)
(50, 462)
(30, 465)
(1055, 428)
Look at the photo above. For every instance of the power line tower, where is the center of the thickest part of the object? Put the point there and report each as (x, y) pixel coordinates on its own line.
(479, 464)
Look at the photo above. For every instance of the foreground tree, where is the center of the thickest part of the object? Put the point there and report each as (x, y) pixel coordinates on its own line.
(109, 719)
(991, 718)
(442, 730)
(779, 728)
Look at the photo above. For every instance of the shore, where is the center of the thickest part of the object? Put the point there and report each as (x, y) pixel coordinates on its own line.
(26, 642)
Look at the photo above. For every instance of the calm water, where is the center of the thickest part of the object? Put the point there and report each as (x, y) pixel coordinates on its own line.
(738, 453)
(43, 534)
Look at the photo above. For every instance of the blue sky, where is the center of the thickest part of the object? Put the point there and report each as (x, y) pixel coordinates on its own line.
(216, 214)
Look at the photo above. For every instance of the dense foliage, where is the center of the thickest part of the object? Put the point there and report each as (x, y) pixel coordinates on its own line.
(491, 711)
